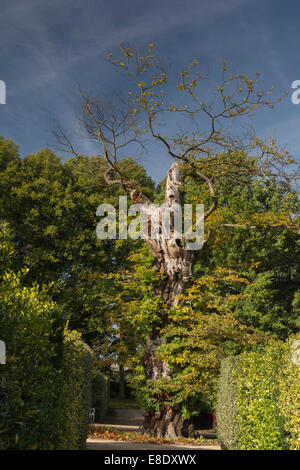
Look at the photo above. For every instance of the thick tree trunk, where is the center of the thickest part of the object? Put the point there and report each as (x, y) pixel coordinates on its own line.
(176, 262)
(167, 423)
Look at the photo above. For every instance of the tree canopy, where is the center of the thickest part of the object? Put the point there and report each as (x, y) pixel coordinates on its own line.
(168, 314)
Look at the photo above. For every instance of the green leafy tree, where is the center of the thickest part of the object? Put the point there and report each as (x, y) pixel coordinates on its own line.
(204, 149)
(51, 208)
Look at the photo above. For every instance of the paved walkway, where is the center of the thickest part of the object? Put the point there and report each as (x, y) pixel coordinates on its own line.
(126, 420)
(104, 444)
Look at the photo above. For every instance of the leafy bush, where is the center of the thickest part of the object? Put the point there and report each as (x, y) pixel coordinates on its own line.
(226, 410)
(29, 378)
(75, 393)
(258, 404)
(289, 400)
(259, 422)
(100, 394)
(44, 402)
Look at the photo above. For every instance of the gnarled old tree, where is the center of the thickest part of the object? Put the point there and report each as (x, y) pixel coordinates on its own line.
(210, 156)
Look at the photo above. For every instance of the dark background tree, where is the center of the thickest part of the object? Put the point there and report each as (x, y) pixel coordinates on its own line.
(51, 210)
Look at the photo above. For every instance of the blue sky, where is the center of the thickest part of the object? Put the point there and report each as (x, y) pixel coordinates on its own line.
(47, 47)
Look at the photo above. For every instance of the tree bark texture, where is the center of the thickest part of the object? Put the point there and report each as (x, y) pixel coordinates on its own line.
(176, 263)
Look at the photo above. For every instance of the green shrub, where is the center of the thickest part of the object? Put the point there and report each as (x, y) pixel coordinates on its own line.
(258, 406)
(100, 394)
(226, 410)
(44, 391)
(260, 425)
(289, 400)
(75, 393)
(28, 379)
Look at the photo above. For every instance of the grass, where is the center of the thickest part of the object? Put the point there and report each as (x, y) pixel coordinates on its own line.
(126, 404)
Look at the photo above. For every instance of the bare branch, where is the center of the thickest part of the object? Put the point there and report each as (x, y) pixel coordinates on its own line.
(63, 142)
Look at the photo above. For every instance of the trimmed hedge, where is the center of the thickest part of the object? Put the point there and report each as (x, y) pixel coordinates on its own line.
(46, 381)
(259, 423)
(75, 393)
(100, 394)
(226, 410)
(28, 380)
(289, 400)
(42, 407)
(258, 406)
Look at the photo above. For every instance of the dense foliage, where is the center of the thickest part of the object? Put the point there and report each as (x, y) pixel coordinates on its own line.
(265, 258)
(51, 209)
(245, 290)
(259, 423)
(198, 336)
(45, 383)
(226, 409)
(75, 395)
(289, 400)
(29, 379)
(257, 400)
(100, 394)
